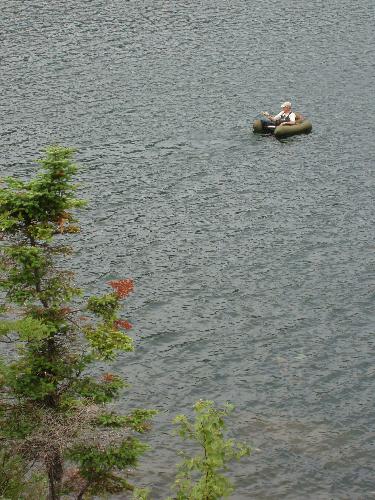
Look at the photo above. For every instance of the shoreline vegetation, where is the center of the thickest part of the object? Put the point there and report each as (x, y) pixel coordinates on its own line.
(59, 436)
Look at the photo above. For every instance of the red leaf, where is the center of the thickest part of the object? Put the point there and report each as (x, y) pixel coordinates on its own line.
(122, 287)
(120, 323)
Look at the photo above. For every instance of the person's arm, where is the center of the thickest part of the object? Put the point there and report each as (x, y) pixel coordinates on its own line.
(270, 117)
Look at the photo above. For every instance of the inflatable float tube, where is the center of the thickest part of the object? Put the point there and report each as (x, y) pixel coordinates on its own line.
(302, 126)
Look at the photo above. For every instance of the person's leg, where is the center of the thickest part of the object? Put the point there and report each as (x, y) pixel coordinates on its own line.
(267, 124)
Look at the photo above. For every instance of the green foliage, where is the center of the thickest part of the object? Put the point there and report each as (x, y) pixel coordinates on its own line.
(138, 420)
(94, 460)
(106, 340)
(48, 395)
(26, 328)
(20, 424)
(98, 392)
(43, 200)
(13, 482)
(141, 494)
(97, 465)
(200, 476)
(106, 306)
(36, 375)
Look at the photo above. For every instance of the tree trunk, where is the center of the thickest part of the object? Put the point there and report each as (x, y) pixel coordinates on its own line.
(83, 491)
(55, 474)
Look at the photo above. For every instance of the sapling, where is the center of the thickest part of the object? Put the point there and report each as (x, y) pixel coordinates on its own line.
(200, 477)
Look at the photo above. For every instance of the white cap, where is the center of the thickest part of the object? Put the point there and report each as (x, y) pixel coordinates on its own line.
(286, 104)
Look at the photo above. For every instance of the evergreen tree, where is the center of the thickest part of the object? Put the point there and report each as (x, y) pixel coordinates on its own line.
(53, 414)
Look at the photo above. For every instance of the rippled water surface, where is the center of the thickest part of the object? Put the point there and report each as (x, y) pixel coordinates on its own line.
(253, 259)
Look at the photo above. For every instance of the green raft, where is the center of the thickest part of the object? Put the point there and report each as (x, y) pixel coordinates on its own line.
(302, 126)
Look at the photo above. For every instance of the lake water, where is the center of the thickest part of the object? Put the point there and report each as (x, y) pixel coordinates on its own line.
(253, 259)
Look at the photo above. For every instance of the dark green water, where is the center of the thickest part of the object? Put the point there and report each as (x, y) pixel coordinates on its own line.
(253, 259)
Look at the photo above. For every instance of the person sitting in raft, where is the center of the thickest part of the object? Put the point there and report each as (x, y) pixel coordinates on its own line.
(285, 117)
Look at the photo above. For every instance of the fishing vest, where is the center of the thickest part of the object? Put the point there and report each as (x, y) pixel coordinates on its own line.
(284, 118)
